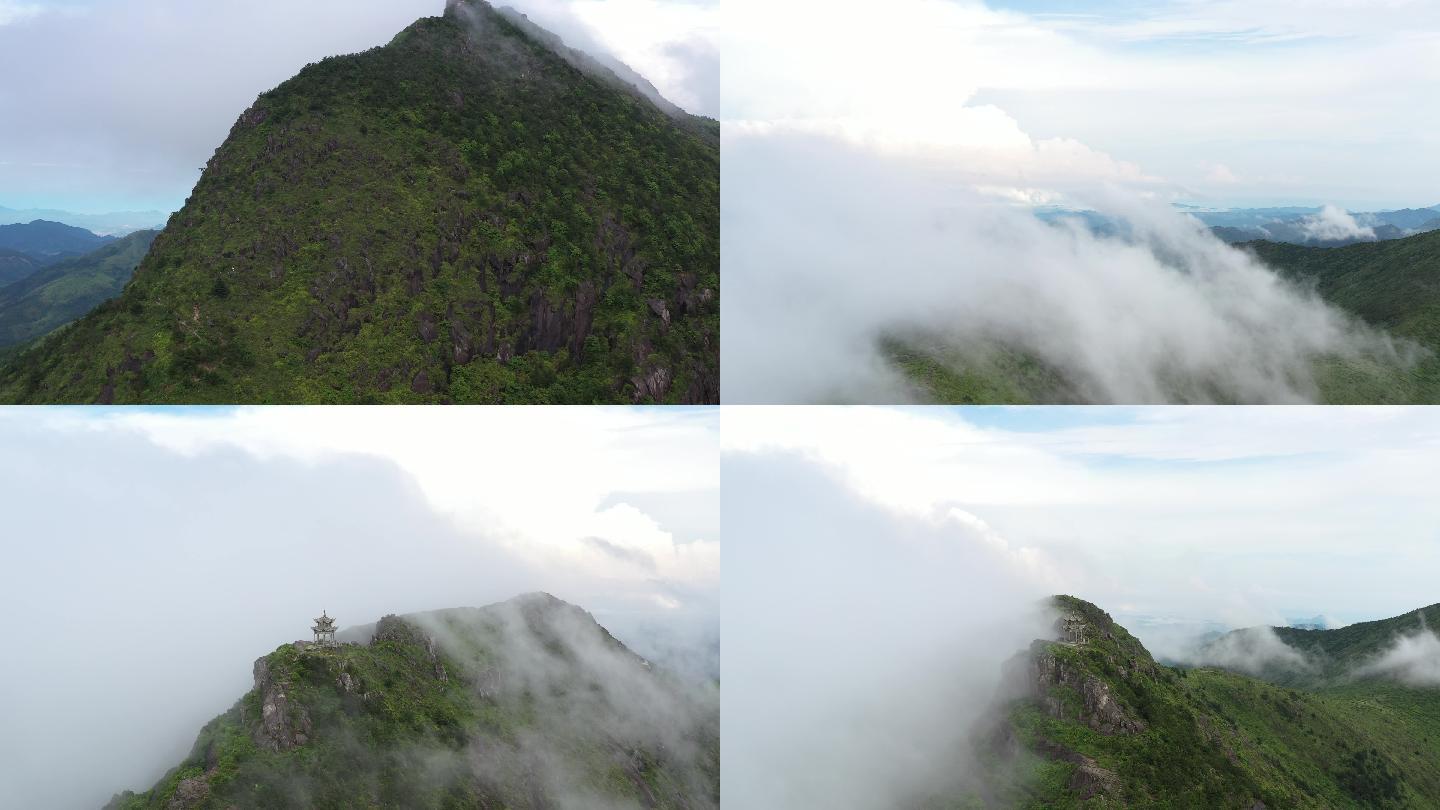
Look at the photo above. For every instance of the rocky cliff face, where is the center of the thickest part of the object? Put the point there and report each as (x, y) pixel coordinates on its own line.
(281, 727)
(1069, 690)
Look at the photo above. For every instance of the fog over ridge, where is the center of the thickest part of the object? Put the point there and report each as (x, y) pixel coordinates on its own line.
(829, 247)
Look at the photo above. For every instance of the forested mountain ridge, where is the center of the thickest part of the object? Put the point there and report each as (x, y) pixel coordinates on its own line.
(1099, 723)
(526, 704)
(462, 215)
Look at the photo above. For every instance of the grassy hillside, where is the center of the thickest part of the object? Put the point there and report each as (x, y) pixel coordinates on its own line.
(464, 215)
(62, 292)
(525, 704)
(1103, 725)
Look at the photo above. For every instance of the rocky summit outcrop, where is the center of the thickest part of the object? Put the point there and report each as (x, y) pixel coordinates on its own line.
(1070, 675)
(1068, 690)
(282, 726)
(528, 704)
(1089, 718)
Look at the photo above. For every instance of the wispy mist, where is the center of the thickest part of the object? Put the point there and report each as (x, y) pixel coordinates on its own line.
(1413, 659)
(863, 646)
(828, 248)
(1253, 651)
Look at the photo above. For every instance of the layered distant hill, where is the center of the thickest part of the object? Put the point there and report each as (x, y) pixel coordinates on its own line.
(1326, 226)
(472, 213)
(50, 242)
(50, 297)
(15, 265)
(528, 704)
(118, 223)
(1318, 227)
(1098, 723)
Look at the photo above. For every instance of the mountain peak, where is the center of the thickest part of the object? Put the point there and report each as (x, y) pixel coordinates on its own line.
(514, 704)
(469, 214)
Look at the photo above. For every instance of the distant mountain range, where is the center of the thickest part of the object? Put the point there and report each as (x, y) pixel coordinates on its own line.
(48, 242)
(1325, 226)
(1092, 720)
(527, 704)
(118, 223)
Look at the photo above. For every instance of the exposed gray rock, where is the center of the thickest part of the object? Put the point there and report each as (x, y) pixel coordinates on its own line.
(282, 727)
(1099, 709)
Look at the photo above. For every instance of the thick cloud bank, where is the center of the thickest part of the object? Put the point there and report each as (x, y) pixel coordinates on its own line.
(829, 247)
(863, 645)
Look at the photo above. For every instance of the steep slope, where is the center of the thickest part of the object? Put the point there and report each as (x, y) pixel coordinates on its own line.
(524, 704)
(50, 241)
(1394, 285)
(62, 292)
(1101, 724)
(463, 215)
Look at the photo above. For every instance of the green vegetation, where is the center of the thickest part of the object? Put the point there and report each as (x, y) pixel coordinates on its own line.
(16, 266)
(463, 215)
(1393, 285)
(1107, 727)
(47, 242)
(62, 292)
(516, 705)
(980, 377)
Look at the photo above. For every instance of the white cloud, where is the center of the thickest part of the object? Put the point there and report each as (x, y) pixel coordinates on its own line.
(137, 538)
(14, 11)
(1337, 106)
(862, 644)
(1242, 516)
(1333, 224)
(1253, 650)
(1413, 659)
(177, 74)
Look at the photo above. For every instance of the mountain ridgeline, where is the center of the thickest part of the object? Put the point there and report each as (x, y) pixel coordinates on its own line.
(55, 295)
(471, 213)
(1094, 721)
(524, 704)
